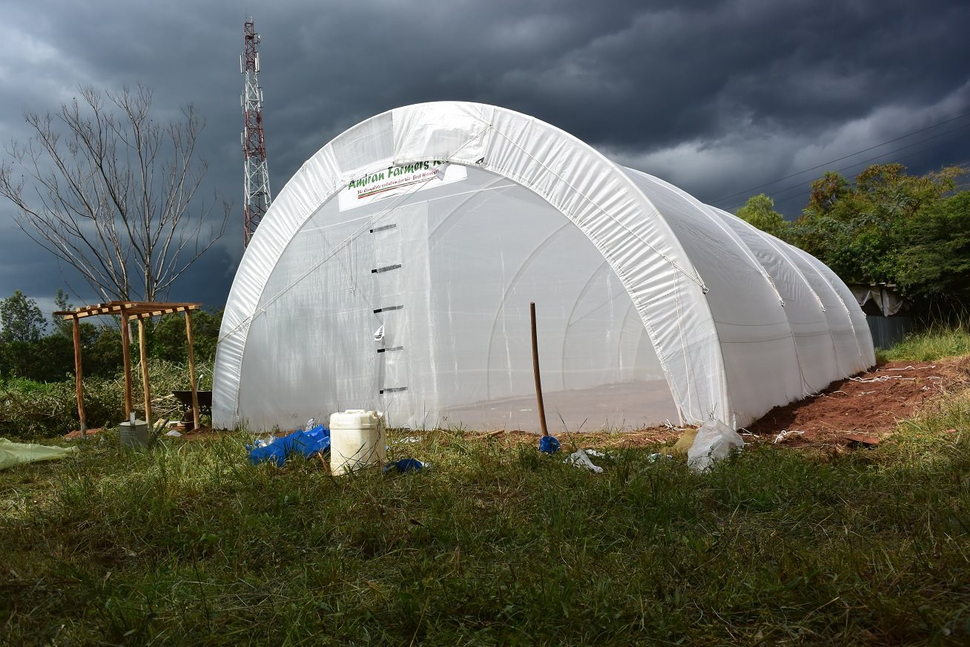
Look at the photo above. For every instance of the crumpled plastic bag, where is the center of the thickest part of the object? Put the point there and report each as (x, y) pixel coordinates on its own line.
(579, 458)
(12, 453)
(549, 444)
(306, 443)
(714, 441)
(405, 465)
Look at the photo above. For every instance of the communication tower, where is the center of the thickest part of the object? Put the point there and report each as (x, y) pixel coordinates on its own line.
(256, 173)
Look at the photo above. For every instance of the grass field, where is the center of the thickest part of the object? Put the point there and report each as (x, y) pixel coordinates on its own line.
(929, 346)
(187, 543)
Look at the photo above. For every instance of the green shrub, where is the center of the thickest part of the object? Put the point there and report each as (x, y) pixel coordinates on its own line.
(37, 409)
(30, 409)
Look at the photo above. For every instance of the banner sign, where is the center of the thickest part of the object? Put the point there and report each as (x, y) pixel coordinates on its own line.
(397, 180)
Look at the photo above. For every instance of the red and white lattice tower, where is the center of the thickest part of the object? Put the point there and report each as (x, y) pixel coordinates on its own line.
(257, 194)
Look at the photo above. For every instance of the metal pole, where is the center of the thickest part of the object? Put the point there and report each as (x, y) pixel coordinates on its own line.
(535, 369)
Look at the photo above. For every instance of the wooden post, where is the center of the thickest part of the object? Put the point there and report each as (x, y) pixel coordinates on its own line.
(535, 369)
(146, 387)
(77, 375)
(126, 355)
(195, 393)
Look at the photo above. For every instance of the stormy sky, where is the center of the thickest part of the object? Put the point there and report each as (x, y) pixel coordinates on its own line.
(723, 98)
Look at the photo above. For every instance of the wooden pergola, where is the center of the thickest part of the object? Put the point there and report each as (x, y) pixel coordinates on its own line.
(140, 311)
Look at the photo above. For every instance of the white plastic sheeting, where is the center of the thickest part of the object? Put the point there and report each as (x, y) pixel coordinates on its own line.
(714, 442)
(886, 299)
(394, 272)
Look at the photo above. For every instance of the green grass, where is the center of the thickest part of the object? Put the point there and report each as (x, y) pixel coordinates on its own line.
(188, 544)
(929, 346)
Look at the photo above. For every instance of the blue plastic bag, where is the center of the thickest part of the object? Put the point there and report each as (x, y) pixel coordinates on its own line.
(306, 443)
(549, 444)
(404, 465)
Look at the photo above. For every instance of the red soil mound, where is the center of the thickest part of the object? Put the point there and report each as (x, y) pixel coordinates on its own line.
(868, 405)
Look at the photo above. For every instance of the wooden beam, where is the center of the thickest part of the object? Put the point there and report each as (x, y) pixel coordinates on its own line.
(77, 376)
(104, 310)
(133, 308)
(157, 313)
(535, 370)
(143, 353)
(195, 393)
(126, 355)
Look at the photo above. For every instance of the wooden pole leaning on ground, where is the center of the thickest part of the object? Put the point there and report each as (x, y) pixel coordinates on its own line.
(143, 356)
(195, 393)
(76, 325)
(535, 369)
(126, 356)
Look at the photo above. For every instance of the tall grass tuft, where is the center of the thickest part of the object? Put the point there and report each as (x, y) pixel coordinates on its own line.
(929, 346)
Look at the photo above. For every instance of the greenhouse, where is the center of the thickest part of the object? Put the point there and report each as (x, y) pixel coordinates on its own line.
(395, 270)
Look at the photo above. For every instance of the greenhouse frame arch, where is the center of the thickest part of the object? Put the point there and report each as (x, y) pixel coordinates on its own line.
(395, 269)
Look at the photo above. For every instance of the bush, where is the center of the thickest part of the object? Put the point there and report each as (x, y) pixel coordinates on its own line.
(167, 340)
(50, 358)
(31, 410)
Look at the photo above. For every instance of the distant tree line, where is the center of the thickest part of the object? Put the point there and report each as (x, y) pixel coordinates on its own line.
(33, 349)
(887, 227)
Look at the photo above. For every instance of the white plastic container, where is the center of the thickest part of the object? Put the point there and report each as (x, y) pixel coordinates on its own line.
(356, 440)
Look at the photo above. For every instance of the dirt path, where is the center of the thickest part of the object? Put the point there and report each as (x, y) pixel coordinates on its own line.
(867, 405)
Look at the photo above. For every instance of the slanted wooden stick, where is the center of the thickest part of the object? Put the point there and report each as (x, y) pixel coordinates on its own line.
(78, 380)
(535, 369)
(146, 386)
(195, 392)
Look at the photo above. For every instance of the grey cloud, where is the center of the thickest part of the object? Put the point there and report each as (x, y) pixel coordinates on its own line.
(715, 96)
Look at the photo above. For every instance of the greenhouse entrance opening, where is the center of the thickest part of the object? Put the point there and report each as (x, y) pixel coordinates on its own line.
(413, 299)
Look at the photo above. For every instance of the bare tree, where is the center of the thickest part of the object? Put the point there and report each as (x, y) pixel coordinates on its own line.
(112, 192)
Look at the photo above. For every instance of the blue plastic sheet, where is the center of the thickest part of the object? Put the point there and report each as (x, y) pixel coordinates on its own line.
(305, 443)
(549, 444)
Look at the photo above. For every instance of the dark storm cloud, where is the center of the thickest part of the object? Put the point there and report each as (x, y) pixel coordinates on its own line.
(754, 84)
(713, 96)
(637, 74)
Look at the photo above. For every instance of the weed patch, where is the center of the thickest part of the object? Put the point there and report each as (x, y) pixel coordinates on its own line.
(36, 410)
(929, 346)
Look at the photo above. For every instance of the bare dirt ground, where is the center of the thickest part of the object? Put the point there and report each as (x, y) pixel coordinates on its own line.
(598, 440)
(859, 410)
(865, 407)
